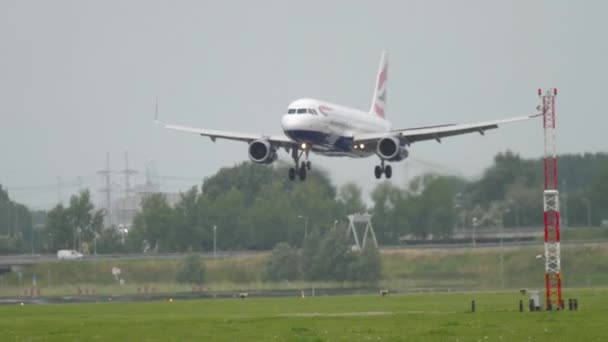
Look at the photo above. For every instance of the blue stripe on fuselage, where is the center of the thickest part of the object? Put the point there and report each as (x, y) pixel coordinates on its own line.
(338, 143)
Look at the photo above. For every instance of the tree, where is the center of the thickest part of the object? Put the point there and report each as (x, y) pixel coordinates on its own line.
(154, 224)
(110, 241)
(598, 197)
(436, 212)
(16, 225)
(330, 257)
(76, 226)
(315, 203)
(189, 231)
(310, 249)
(351, 198)
(84, 219)
(8, 245)
(248, 177)
(6, 213)
(226, 212)
(508, 168)
(191, 271)
(389, 212)
(367, 266)
(284, 263)
(267, 220)
(333, 259)
(59, 229)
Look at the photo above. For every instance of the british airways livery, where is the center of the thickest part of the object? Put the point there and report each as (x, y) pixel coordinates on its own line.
(333, 130)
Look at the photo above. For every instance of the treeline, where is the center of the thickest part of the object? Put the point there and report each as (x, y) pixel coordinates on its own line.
(325, 256)
(16, 228)
(515, 185)
(255, 207)
(252, 207)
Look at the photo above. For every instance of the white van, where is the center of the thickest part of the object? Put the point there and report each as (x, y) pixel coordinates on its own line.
(68, 254)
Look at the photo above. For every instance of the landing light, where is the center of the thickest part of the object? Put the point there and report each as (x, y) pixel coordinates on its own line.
(361, 146)
(304, 146)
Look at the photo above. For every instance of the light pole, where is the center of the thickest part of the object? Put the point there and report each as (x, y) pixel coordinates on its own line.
(502, 231)
(335, 224)
(95, 237)
(32, 240)
(74, 243)
(514, 204)
(474, 224)
(305, 224)
(588, 204)
(458, 208)
(214, 241)
(565, 197)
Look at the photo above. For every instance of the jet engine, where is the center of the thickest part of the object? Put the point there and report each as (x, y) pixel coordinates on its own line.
(262, 152)
(390, 149)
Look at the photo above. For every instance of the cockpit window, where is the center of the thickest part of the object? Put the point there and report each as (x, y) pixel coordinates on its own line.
(291, 111)
(312, 111)
(301, 110)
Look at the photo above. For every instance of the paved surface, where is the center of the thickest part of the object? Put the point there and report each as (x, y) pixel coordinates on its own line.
(27, 259)
(185, 296)
(16, 260)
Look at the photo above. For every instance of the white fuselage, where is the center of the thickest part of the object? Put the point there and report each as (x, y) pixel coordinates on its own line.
(329, 128)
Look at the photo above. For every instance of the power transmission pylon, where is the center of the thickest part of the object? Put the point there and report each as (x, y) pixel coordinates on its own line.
(369, 229)
(128, 173)
(107, 190)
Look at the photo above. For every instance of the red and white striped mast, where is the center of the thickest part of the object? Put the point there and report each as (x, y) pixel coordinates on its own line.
(553, 272)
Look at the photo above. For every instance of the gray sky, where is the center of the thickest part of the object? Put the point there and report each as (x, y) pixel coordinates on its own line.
(79, 78)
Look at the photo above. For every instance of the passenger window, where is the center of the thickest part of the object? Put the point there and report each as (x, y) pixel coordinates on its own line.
(301, 110)
(291, 111)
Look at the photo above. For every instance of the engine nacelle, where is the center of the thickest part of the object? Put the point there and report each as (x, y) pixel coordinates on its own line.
(389, 149)
(262, 152)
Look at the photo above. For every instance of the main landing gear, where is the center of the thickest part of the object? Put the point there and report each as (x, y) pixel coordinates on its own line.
(380, 169)
(304, 166)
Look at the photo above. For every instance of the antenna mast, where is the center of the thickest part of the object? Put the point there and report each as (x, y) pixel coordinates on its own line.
(553, 271)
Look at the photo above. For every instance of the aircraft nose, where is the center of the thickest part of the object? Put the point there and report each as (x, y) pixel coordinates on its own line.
(288, 122)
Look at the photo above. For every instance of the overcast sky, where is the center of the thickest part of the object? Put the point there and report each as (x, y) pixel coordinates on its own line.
(79, 79)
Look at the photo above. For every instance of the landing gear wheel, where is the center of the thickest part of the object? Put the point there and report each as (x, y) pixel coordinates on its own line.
(388, 171)
(378, 171)
(299, 168)
(292, 173)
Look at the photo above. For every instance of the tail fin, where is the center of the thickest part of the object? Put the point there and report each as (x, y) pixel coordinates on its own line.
(379, 101)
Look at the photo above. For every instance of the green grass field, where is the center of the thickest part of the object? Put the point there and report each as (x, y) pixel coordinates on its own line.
(403, 270)
(412, 317)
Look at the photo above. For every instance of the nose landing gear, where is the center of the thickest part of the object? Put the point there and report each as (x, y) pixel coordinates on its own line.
(380, 169)
(304, 166)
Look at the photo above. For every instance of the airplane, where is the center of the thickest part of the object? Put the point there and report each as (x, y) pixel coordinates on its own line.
(311, 125)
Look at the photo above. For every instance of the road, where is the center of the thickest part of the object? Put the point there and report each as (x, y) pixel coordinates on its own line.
(28, 259)
(16, 260)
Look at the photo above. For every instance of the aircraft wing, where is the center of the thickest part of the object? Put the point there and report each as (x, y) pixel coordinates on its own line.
(411, 135)
(278, 140)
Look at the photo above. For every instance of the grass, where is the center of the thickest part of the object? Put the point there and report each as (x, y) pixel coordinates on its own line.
(168, 288)
(583, 233)
(413, 317)
(403, 270)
